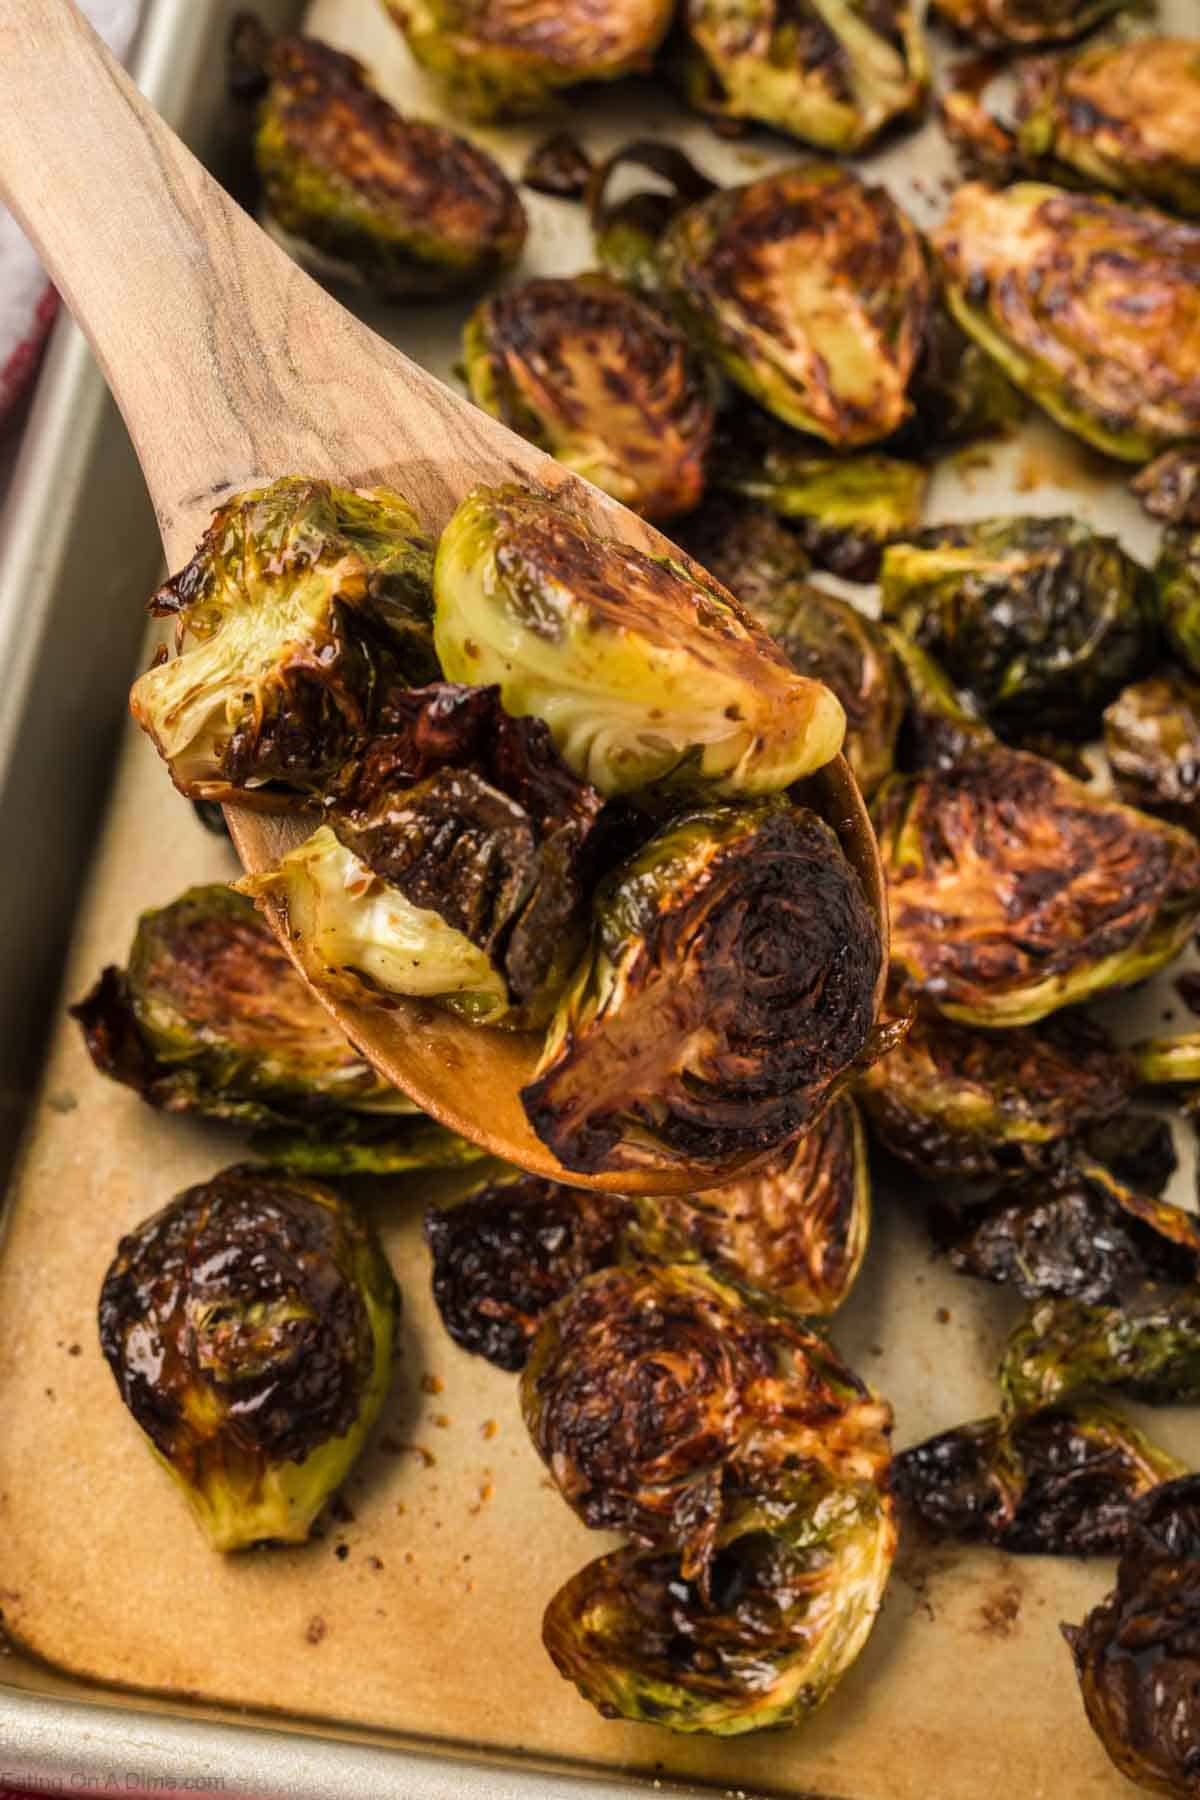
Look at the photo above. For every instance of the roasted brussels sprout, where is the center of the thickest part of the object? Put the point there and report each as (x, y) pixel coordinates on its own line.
(956, 1103)
(249, 1327)
(797, 1229)
(506, 59)
(762, 564)
(940, 725)
(833, 73)
(1041, 620)
(1152, 737)
(1091, 307)
(1121, 116)
(1136, 1655)
(998, 24)
(599, 379)
(302, 606)
(211, 1018)
(713, 1426)
(1169, 487)
(1078, 1232)
(728, 989)
(1138, 1148)
(365, 1144)
(450, 865)
(505, 1253)
(1059, 1482)
(1015, 890)
(1167, 1061)
(1177, 574)
(810, 290)
(959, 393)
(401, 204)
(786, 1615)
(841, 509)
(1149, 1345)
(680, 1409)
(645, 671)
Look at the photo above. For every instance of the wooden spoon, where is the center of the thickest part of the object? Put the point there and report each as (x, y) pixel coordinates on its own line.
(232, 367)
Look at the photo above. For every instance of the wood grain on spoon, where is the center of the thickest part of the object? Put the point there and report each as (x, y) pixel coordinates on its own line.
(232, 367)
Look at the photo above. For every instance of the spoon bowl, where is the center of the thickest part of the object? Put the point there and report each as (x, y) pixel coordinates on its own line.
(232, 367)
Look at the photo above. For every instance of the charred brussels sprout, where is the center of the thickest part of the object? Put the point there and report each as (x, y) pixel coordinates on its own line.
(833, 73)
(1177, 574)
(823, 636)
(999, 24)
(1148, 1345)
(1079, 1233)
(1091, 307)
(1040, 620)
(249, 1327)
(1122, 116)
(302, 606)
(401, 204)
(1152, 737)
(1059, 1482)
(1015, 890)
(506, 58)
(559, 166)
(627, 232)
(728, 988)
(841, 509)
(645, 671)
(787, 1614)
(810, 290)
(959, 393)
(1136, 1654)
(503, 1255)
(956, 1103)
(600, 380)
(797, 1229)
(1169, 487)
(210, 1017)
(450, 867)
(716, 1429)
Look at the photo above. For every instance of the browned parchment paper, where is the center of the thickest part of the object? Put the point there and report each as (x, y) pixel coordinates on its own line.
(419, 1610)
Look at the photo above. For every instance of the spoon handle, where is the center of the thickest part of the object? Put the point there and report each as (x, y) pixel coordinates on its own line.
(229, 364)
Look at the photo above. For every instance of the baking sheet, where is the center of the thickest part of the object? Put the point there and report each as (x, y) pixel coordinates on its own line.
(419, 1611)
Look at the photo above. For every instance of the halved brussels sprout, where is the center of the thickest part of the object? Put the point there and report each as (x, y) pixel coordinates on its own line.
(504, 1254)
(401, 204)
(1136, 1655)
(1041, 620)
(941, 725)
(1001, 23)
(249, 1327)
(1152, 739)
(211, 1018)
(788, 1613)
(810, 290)
(833, 73)
(559, 166)
(955, 1103)
(1177, 573)
(1090, 305)
(841, 509)
(1078, 1232)
(797, 1229)
(959, 393)
(600, 380)
(679, 1409)
(1014, 889)
(762, 564)
(507, 58)
(728, 989)
(1121, 116)
(450, 866)
(1149, 1345)
(304, 604)
(645, 671)
(1059, 1482)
